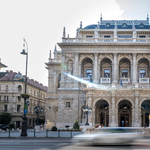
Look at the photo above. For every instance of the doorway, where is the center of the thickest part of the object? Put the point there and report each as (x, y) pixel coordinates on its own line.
(124, 120)
(102, 119)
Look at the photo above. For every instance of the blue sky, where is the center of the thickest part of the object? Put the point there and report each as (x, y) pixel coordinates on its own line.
(41, 22)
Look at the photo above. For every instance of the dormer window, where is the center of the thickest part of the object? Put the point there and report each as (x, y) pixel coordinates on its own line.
(141, 25)
(124, 25)
(107, 25)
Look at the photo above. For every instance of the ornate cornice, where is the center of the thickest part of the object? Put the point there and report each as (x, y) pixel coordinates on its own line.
(127, 45)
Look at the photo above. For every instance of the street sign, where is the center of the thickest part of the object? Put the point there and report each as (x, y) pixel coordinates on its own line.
(25, 111)
(25, 107)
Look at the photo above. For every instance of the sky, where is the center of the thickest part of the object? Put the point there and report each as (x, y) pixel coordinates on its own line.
(41, 23)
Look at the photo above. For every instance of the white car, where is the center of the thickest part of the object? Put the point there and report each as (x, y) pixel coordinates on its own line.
(110, 135)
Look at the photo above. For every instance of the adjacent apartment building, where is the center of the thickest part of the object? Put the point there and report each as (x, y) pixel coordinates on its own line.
(12, 85)
(105, 66)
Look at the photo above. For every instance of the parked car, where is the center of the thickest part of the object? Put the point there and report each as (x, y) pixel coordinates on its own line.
(4, 127)
(110, 135)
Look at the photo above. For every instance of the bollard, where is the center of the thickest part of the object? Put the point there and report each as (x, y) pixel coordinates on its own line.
(70, 133)
(46, 132)
(9, 132)
(34, 132)
(58, 132)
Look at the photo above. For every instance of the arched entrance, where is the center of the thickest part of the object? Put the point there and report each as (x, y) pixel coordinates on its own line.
(145, 112)
(124, 114)
(102, 113)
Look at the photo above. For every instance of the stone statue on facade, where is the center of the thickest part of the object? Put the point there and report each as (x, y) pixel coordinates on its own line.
(115, 30)
(70, 68)
(134, 31)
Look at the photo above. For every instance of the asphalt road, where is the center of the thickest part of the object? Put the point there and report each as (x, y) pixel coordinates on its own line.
(63, 144)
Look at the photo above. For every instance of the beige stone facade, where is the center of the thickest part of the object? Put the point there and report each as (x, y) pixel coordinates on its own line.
(107, 67)
(11, 88)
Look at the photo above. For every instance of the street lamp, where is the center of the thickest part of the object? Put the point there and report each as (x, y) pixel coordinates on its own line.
(38, 111)
(24, 122)
(87, 110)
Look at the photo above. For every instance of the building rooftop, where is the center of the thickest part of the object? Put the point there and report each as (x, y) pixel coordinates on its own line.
(121, 24)
(11, 76)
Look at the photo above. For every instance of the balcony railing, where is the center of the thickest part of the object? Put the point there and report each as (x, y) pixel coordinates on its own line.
(87, 79)
(143, 80)
(105, 80)
(106, 40)
(125, 80)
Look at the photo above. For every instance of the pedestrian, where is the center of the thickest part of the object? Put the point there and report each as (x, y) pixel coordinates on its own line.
(144, 125)
(122, 123)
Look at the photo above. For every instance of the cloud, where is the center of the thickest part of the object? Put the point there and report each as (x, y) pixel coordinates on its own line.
(134, 9)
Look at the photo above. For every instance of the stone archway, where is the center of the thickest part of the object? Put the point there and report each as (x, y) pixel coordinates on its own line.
(102, 112)
(125, 113)
(145, 112)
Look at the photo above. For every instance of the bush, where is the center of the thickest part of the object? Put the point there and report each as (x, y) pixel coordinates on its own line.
(12, 125)
(54, 128)
(5, 118)
(76, 125)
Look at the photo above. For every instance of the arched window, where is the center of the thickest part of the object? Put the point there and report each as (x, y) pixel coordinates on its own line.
(19, 88)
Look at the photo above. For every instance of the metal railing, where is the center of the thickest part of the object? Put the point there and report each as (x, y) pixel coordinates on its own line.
(43, 133)
(106, 40)
(143, 80)
(105, 80)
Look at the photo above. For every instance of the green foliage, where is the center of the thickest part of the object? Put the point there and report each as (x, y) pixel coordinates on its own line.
(5, 118)
(12, 125)
(54, 128)
(76, 124)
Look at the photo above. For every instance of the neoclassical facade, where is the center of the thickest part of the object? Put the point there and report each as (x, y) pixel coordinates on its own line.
(12, 85)
(107, 67)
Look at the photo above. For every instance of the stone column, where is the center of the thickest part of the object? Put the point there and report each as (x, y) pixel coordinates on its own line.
(110, 116)
(76, 65)
(76, 69)
(93, 115)
(98, 73)
(112, 72)
(62, 66)
(133, 111)
(131, 73)
(140, 121)
(116, 114)
(62, 70)
(115, 71)
(113, 123)
(79, 71)
(95, 68)
(136, 121)
(134, 68)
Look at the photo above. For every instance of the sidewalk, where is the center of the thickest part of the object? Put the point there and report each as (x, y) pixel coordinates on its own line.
(41, 134)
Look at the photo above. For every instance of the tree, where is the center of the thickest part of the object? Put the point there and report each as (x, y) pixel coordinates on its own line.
(76, 124)
(5, 118)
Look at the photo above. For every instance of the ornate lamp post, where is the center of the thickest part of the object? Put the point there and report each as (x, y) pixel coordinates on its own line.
(87, 110)
(38, 111)
(24, 122)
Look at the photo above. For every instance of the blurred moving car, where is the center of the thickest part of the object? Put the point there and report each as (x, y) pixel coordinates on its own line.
(4, 127)
(110, 135)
